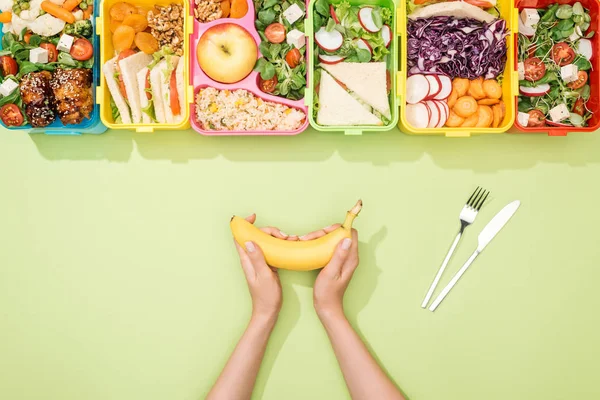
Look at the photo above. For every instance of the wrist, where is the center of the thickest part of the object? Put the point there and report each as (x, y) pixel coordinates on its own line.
(264, 318)
(329, 315)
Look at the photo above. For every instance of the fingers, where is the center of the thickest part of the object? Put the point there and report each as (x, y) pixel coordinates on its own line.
(352, 261)
(245, 261)
(334, 267)
(320, 232)
(251, 218)
(275, 232)
(257, 258)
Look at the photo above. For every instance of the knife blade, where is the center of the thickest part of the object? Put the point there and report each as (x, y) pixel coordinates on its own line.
(484, 238)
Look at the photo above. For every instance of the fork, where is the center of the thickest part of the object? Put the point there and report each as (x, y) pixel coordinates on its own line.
(467, 217)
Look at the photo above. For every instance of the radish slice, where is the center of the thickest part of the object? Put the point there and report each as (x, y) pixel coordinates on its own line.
(363, 44)
(584, 47)
(329, 41)
(434, 119)
(446, 87)
(365, 17)
(536, 91)
(417, 89)
(560, 124)
(526, 30)
(386, 35)
(445, 113)
(326, 59)
(434, 86)
(332, 12)
(417, 115)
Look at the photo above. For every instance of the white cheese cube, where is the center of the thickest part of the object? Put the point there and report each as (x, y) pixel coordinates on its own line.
(530, 17)
(38, 55)
(78, 15)
(293, 13)
(559, 113)
(568, 73)
(523, 119)
(65, 43)
(296, 38)
(7, 87)
(521, 67)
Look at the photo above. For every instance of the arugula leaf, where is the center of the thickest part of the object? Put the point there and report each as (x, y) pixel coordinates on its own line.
(363, 55)
(377, 19)
(270, 3)
(582, 63)
(267, 16)
(322, 7)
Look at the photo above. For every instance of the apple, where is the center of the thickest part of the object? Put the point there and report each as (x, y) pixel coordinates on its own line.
(227, 53)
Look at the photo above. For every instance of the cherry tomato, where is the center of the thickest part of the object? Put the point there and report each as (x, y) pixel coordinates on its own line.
(11, 115)
(174, 95)
(147, 86)
(582, 78)
(562, 54)
(269, 85)
(124, 54)
(534, 69)
(579, 107)
(531, 50)
(8, 66)
(27, 36)
(275, 33)
(52, 52)
(293, 58)
(536, 119)
(82, 49)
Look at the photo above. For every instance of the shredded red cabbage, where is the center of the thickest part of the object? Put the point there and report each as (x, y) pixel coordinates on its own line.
(465, 47)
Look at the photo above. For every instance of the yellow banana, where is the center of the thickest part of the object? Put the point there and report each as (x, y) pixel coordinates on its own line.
(294, 255)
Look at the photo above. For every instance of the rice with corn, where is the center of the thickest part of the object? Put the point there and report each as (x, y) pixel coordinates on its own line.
(240, 110)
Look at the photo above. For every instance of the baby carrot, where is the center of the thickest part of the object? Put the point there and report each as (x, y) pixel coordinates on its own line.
(70, 5)
(58, 11)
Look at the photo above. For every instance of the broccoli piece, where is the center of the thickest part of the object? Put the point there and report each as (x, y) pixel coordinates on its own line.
(80, 28)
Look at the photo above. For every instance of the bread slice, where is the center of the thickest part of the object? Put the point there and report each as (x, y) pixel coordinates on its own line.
(156, 78)
(130, 66)
(180, 92)
(166, 88)
(113, 87)
(141, 78)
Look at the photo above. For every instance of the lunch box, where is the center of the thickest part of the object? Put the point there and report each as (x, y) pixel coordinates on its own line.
(92, 125)
(510, 84)
(392, 66)
(107, 52)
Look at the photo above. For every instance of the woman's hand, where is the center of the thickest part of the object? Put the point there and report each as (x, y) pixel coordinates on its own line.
(331, 284)
(263, 281)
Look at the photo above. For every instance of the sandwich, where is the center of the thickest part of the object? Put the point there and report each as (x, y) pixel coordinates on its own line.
(338, 107)
(118, 103)
(368, 81)
(129, 67)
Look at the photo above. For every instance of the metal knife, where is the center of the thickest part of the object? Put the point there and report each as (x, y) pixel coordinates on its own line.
(485, 237)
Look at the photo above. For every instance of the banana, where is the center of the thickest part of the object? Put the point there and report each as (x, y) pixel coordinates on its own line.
(294, 255)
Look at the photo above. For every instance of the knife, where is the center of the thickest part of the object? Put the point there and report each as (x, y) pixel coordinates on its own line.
(485, 237)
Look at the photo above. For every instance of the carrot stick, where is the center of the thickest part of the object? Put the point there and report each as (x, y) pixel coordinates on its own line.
(58, 11)
(87, 13)
(5, 17)
(70, 5)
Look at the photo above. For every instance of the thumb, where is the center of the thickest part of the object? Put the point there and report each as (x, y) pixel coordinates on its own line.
(257, 258)
(334, 267)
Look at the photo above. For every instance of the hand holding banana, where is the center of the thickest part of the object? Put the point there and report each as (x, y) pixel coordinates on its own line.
(294, 255)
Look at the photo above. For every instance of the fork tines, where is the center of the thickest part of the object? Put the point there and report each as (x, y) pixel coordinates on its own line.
(478, 198)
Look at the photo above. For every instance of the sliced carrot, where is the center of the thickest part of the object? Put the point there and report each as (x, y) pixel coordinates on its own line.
(453, 97)
(87, 13)
(5, 17)
(485, 117)
(461, 85)
(70, 5)
(465, 106)
(488, 102)
(454, 120)
(497, 116)
(471, 121)
(476, 89)
(492, 89)
(225, 8)
(58, 11)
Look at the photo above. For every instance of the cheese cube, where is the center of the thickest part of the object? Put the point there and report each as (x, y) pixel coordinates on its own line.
(293, 13)
(523, 119)
(559, 113)
(38, 55)
(521, 67)
(65, 43)
(568, 73)
(7, 87)
(296, 38)
(530, 17)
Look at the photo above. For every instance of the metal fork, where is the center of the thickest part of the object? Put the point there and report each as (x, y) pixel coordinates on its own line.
(467, 217)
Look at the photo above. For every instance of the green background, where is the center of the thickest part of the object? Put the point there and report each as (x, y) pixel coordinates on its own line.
(118, 277)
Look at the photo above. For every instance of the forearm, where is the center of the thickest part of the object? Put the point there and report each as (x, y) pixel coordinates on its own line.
(239, 375)
(364, 378)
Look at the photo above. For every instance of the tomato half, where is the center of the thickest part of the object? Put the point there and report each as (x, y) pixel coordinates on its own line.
(534, 69)
(174, 96)
(536, 119)
(582, 78)
(82, 49)
(11, 115)
(8, 66)
(275, 33)
(562, 54)
(293, 58)
(269, 85)
(124, 54)
(52, 52)
(579, 107)
(147, 86)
